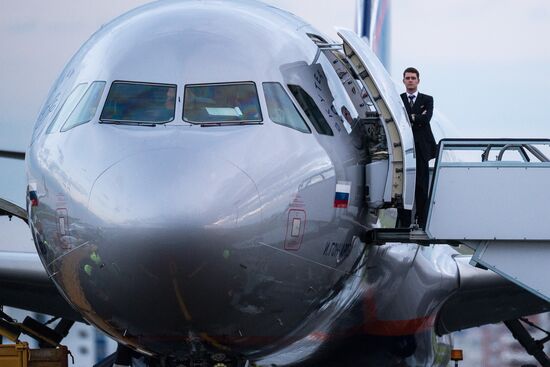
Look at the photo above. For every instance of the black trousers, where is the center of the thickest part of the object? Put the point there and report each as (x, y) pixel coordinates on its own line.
(420, 195)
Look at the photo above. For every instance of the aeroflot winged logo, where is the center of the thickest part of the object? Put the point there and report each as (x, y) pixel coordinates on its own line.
(341, 197)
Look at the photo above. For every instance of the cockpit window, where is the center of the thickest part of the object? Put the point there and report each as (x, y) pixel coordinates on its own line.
(68, 107)
(85, 109)
(221, 103)
(311, 110)
(135, 103)
(280, 108)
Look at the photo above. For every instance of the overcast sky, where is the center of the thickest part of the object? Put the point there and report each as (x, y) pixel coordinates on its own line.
(484, 61)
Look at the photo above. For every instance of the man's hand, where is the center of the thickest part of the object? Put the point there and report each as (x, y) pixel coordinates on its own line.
(413, 116)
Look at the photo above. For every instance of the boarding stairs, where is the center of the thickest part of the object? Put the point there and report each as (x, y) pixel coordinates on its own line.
(493, 196)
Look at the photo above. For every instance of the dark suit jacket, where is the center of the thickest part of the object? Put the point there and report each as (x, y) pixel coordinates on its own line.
(424, 141)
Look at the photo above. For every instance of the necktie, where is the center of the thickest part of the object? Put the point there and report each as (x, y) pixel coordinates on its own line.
(411, 100)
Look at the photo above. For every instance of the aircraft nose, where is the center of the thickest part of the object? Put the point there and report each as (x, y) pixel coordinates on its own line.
(172, 228)
(175, 189)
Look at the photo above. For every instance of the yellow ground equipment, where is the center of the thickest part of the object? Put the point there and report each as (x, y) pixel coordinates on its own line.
(20, 355)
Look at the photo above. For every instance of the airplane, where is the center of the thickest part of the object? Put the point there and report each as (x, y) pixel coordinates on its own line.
(210, 184)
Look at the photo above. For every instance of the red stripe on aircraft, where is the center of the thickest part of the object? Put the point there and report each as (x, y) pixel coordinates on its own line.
(374, 326)
(398, 327)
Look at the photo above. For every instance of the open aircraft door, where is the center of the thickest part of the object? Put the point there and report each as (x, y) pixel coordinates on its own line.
(391, 167)
(494, 196)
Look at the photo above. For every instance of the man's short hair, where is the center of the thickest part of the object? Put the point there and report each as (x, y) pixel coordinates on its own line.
(411, 70)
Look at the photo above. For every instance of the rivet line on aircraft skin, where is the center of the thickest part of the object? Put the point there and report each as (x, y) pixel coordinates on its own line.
(68, 252)
(286, 252)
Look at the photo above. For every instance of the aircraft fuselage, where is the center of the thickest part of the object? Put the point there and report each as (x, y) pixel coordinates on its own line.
(202, 235)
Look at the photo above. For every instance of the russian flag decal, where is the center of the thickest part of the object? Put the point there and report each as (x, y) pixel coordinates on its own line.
(341, 197)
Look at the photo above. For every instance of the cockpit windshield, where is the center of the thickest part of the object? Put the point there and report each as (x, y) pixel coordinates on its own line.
(222, 103)
(131, 102)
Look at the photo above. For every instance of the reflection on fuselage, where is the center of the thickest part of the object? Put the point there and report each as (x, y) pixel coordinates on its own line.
(215, 198)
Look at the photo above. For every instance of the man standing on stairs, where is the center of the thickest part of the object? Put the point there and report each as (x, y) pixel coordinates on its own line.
(420, 110)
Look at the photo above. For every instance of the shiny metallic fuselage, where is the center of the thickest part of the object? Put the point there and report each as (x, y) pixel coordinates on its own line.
(175, 237)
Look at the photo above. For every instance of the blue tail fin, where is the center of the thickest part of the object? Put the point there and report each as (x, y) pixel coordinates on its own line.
(373, 23)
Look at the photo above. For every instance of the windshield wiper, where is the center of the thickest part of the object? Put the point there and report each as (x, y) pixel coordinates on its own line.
(228, 123)
(130, 123)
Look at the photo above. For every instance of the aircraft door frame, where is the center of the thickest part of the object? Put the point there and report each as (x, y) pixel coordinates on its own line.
(386, 100)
